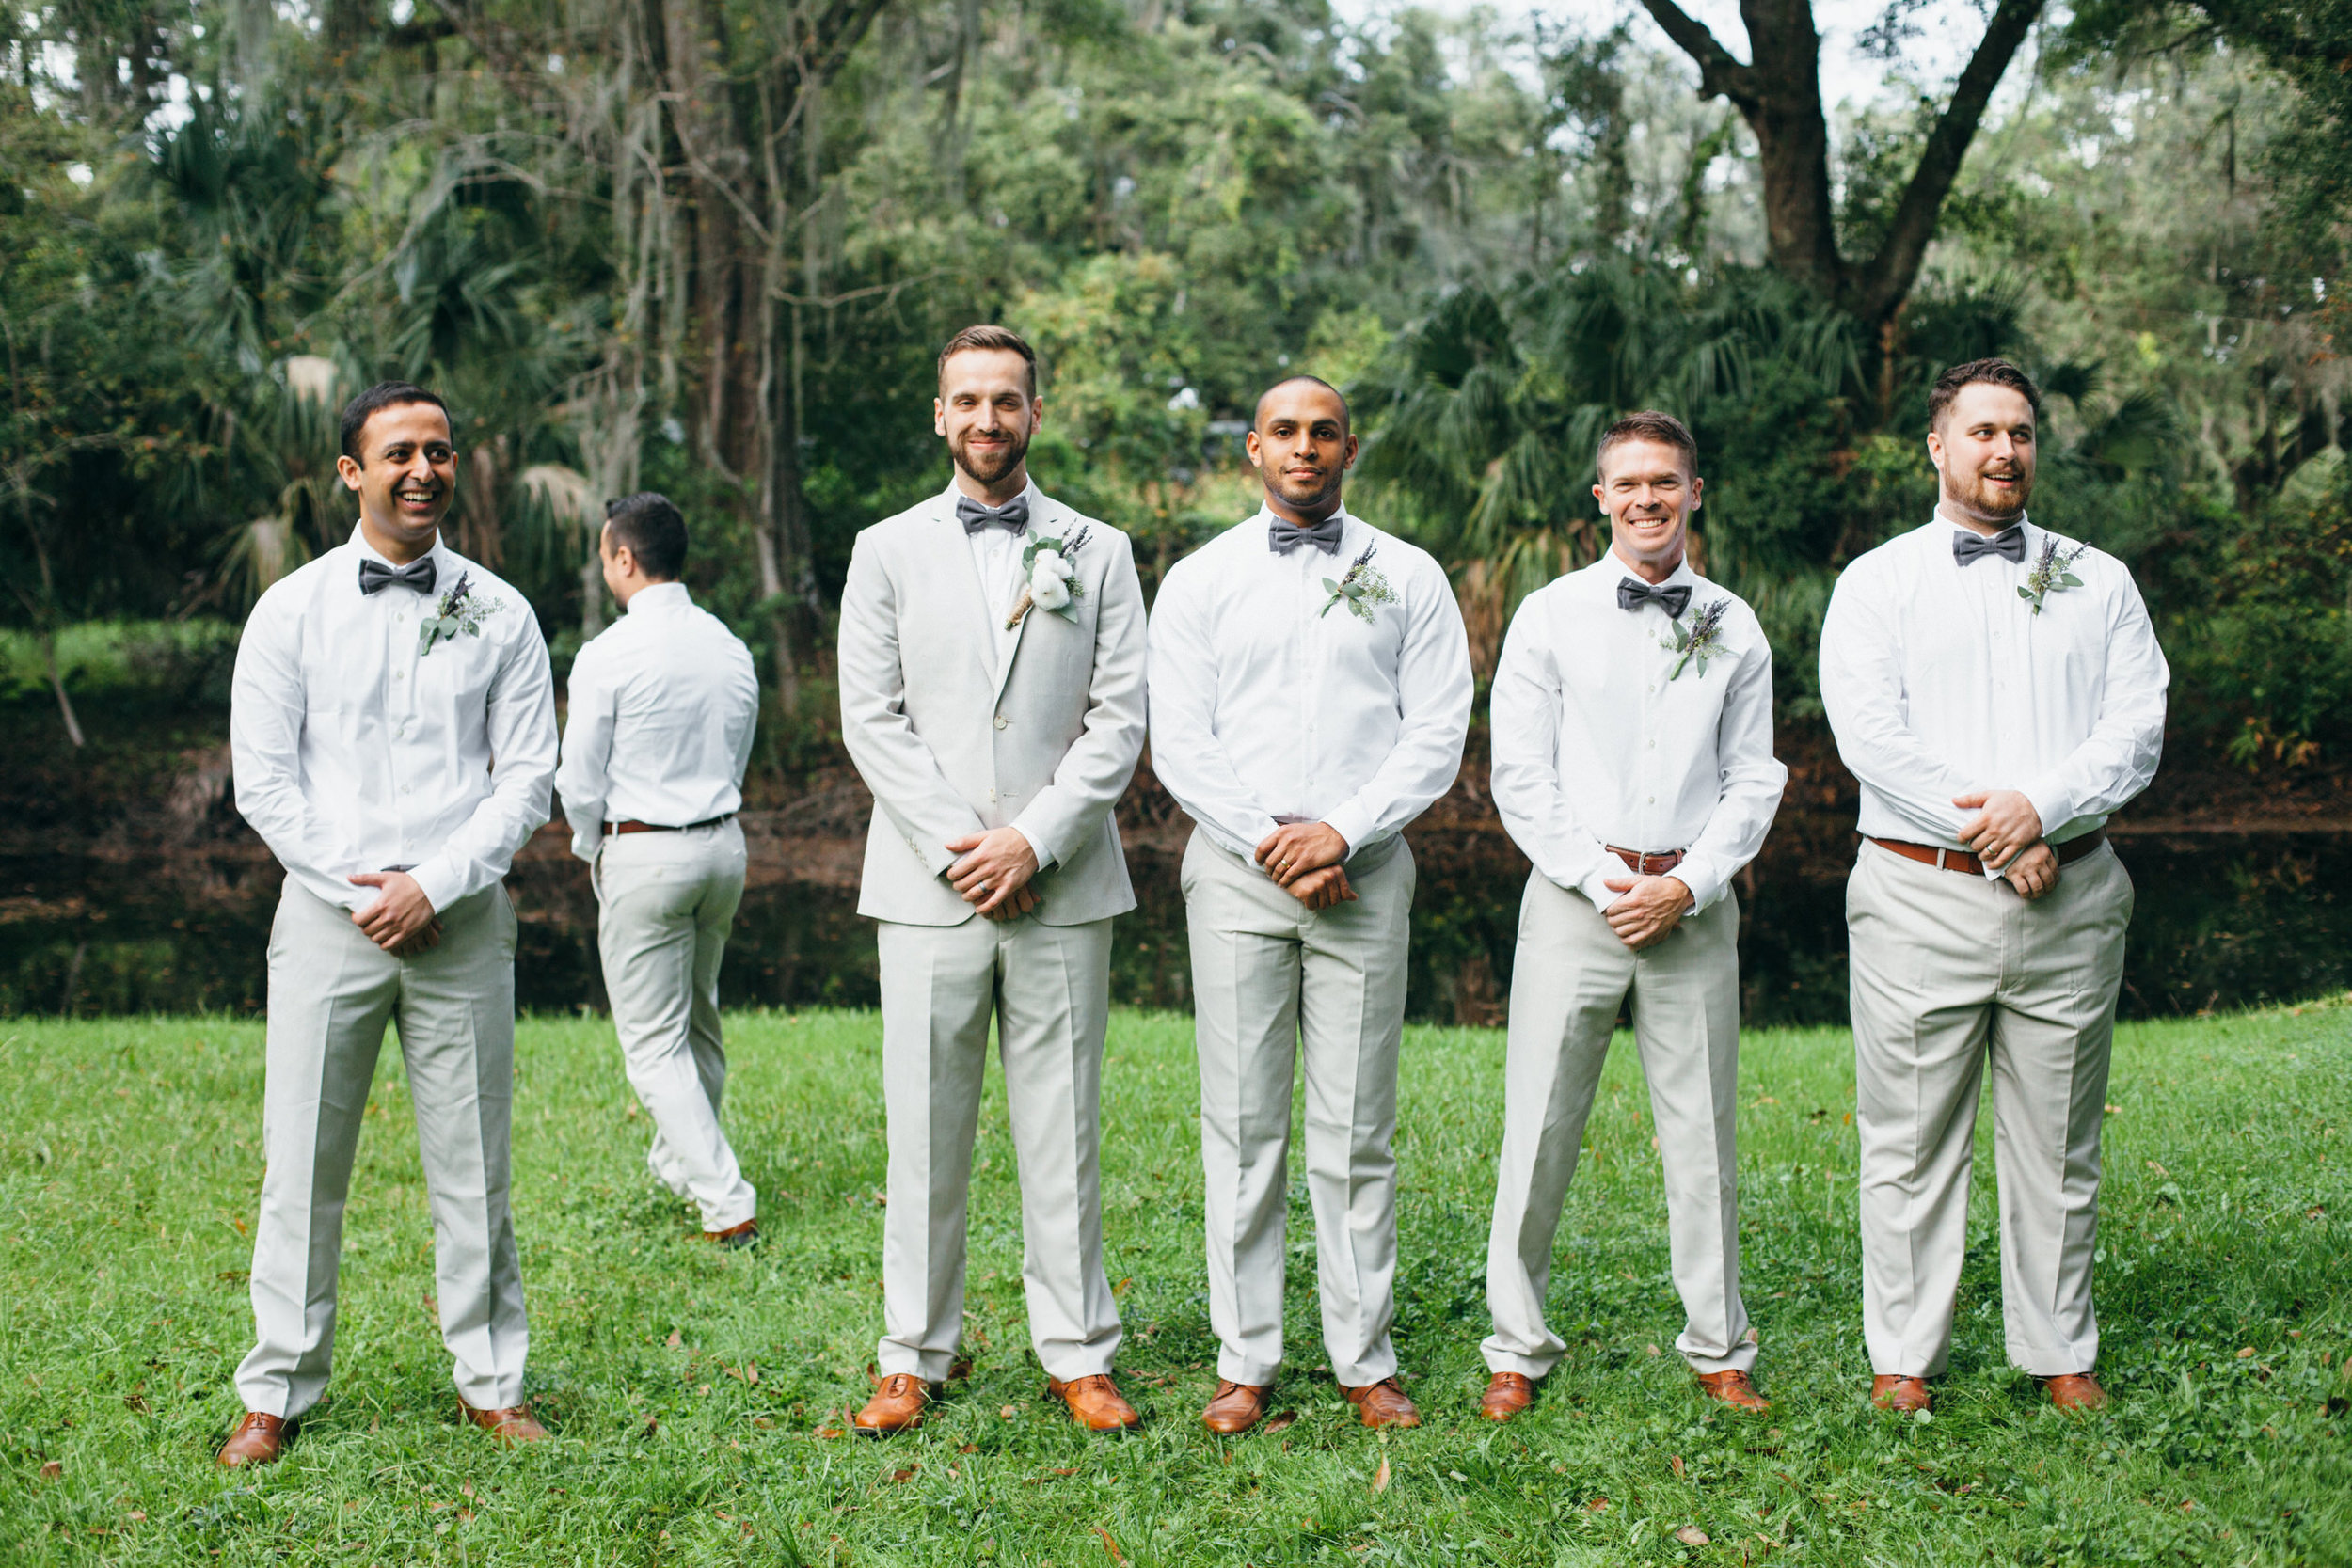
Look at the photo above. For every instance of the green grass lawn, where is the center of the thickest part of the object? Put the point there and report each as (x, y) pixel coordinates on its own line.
(695, 1397)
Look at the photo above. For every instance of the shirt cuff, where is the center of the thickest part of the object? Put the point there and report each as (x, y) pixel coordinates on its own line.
(2052, 800)
(442, 882)
(1353, 823)
(1611, 867)
(586, 842)
(1037, 846)
(1706, 882)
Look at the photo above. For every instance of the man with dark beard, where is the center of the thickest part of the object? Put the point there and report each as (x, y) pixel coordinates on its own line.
(992, 697)
(1310, 689)
(1998, 691)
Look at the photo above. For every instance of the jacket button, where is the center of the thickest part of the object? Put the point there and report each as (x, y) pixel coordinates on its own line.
(1002, 721)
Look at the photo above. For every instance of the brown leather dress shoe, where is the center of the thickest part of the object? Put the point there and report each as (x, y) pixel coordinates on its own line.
(1507, 1394)
(513, 1426)
(258, 1440)
(734, 1235)
(1735, 1389)
(1383, 1404)
(896, 1405)
(1095, 1402)
(1236, 1406)
(2075, 1391)
(1902, 1395)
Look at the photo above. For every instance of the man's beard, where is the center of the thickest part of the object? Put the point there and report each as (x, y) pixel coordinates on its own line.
(1978, 497)
(1309, 497)
(988, 470)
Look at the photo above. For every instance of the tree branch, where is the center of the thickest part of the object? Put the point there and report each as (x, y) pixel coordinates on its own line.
(1885, 281)
(1719, 74)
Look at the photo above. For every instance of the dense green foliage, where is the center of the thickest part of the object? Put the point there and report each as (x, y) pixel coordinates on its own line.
(216, 219)
(695, 1395)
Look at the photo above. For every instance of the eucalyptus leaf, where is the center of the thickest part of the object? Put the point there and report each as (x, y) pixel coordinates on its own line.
(2024, 593)
(1329, 586)
(2068, 579)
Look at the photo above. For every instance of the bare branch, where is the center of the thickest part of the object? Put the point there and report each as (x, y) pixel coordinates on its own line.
(1719, 74)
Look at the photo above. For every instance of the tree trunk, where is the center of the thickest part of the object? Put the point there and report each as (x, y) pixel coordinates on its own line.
(1779, 94)
(56, 684)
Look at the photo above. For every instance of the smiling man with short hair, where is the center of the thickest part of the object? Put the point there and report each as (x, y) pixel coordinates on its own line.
(1998, 691)
(392, 728)
(1632, 734)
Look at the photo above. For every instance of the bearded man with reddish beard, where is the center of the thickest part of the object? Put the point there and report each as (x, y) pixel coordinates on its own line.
(992, 697)
(1998, 691)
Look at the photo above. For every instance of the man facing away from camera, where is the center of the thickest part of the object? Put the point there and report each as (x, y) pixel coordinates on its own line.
(1998, 691)
(392, 728)
(657, 734)
(1632, 727)
(991, 698)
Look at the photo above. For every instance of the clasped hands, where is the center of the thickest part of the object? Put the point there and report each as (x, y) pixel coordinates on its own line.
(401, 920)
(993, 871)
(2006, 833)
(1303, 858)
(1646, 910)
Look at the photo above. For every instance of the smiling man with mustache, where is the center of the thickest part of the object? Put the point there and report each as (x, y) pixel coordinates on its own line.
(1310, 689)
(392, 728)
(1998, 691)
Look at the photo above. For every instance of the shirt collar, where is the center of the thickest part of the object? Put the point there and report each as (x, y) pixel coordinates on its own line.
(1264, 518)
(443, 557)
(660, 597)
(1605, 572)
(1943, 529)
(943, 504)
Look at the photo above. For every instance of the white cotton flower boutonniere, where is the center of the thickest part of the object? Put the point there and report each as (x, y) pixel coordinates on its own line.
(1053, 583)
(1360, 589)
(460, 610)
(2051, 574)
(1701, 641)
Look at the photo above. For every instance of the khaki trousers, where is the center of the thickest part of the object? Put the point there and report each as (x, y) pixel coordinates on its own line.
(665, 902)
(1048, 988)
(1951, 972)
(331, 991)
(1272, 979)
(1568, 980)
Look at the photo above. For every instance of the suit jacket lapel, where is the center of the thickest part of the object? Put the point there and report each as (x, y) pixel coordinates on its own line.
(951, 548)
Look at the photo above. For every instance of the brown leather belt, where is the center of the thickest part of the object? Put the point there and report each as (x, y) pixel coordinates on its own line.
(664, 827)
(1648, 866)
(1960, 859)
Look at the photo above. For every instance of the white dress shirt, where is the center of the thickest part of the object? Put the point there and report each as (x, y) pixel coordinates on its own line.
(661, 710)
(1266, 709)
(1939, 681)
(356, 750)
(1597, 744)
(996, 556)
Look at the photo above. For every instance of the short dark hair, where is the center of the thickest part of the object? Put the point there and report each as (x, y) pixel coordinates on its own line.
(383, 395)
(1999, 372)
(1346, 419)
(986, 336)
(650, 529)
(1649, 425)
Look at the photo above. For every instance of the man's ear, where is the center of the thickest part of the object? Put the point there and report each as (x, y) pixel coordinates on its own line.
(347, 469)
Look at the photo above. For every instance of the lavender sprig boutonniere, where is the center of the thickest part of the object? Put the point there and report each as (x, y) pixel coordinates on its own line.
(1053, 582)
(459, 610)
(1699, 641)
(2050, 573)
(1360, 589)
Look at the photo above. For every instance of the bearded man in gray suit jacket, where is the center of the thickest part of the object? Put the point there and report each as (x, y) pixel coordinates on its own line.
(992, 699)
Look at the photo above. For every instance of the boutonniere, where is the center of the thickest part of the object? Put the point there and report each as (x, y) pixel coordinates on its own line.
(1360, 589)
(1053, 580)
(1701, 641)
(2050, 574)
(459, 610)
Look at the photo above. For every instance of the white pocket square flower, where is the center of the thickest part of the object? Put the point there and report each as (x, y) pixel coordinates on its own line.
(1049, 581)
(1053, 582)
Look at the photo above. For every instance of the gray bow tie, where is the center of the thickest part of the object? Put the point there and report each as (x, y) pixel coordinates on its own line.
(2009, 544)
(1633, 595)
(1013, 516)
(1284, 537)
(374, 576)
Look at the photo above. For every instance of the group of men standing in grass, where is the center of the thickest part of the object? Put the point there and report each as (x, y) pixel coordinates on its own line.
(1306, 684)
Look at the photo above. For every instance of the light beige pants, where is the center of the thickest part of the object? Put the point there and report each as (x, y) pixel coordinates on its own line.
(331, 991)
(1568, 980)
(665, 903)
(1272, 979)
(1048, 988)
(1950, 973)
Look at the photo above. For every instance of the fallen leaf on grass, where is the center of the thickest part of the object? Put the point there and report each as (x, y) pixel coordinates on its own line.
(1676, 1463)
(137, 1516)
(1690, 1535)
(2157, 1168)
(968, 1447)
(52, 1470)
(2246, 1353)
(907, 1474)
(1380, 1477)
(764, 1423)
(1652, 1349)
(1120, 1289)
(676, 1340)
(1109, 1545)
(1281, 1419)
(829, 1431)
(1598, 1505)
(1007, 1413)
(2114, 1110)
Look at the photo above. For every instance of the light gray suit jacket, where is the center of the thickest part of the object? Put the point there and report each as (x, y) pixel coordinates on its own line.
(952, 745)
